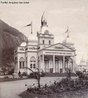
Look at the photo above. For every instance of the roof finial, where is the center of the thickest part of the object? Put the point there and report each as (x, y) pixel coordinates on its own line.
(43, 20)
(67, 34)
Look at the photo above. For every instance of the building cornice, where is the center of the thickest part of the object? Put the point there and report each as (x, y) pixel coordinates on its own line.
(73, 50)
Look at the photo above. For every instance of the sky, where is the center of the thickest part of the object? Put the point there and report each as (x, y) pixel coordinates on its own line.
(59, 15)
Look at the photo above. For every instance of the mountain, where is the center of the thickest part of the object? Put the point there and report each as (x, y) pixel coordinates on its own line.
(10, 38)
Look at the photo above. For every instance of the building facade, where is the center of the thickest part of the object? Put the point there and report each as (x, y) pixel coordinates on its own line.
(44, 54)
(83, 66)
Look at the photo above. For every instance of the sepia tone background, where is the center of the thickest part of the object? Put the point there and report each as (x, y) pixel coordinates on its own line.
(59, 15)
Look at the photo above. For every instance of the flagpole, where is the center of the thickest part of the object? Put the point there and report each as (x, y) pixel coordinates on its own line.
(31, 28)
(67, 33)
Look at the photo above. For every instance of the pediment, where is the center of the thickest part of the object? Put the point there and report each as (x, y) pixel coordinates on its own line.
(59, 46)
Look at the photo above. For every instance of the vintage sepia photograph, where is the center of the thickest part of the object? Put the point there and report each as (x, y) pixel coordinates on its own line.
(43, 48)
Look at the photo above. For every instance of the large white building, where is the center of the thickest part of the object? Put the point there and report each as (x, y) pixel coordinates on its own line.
(44, 54)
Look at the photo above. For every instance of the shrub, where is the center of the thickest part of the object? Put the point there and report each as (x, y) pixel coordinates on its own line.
(35, 74)
(6, 77)
(42, 74)
(24, 74)
(80, 74)
(32, 75)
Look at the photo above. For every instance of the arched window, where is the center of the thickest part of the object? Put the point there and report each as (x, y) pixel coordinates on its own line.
(32, 62)
(21, 62)
(43, 42)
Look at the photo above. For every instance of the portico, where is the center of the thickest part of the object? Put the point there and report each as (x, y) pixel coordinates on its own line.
(56, 62)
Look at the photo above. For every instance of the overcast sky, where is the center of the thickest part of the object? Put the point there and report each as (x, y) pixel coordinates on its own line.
(59, 15)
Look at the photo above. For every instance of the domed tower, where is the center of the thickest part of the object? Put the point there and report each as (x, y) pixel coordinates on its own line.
(45, 38)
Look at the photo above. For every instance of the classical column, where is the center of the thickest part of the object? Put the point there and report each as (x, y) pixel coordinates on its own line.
(18, 65)
(63, 66)
(73, 64)
(38, 62)
(58, 65)
(43, 65)
(49, 65)
(26, 62)
(66, 63)
(54, 63)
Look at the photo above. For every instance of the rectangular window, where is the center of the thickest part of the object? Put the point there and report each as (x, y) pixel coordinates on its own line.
(34, 66)
(30, 65)
(20, 64)
(43, 42)
(49, 42)
(23, 64)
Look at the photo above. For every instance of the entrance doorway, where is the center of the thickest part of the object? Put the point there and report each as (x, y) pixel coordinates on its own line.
(51, 70)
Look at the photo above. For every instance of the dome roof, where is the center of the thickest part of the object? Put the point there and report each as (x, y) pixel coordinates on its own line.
(23, 44)
(46, 32)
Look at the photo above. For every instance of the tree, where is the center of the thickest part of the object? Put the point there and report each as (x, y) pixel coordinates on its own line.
(11, 71)
(7, 60)
(37, 75)
(4, 70)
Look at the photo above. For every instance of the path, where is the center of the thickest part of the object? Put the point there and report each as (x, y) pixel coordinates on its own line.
(13, 88)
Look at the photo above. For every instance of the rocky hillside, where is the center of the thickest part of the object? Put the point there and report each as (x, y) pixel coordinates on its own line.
(10, 38)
